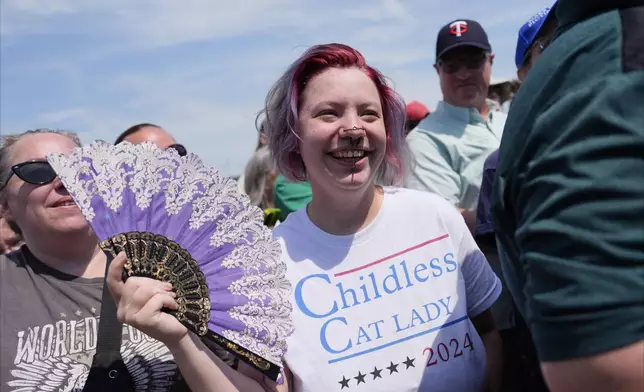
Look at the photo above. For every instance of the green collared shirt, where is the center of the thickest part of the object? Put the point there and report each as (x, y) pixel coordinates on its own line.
(450, 147)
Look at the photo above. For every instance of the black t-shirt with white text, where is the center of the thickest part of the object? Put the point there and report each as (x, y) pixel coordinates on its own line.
(48, 332)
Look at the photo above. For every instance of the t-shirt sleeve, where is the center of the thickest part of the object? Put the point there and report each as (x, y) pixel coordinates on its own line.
(580, 221)
(482, 286)
(432, 172)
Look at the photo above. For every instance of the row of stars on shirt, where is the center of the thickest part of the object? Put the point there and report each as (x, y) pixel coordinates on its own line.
(376, 373)
(77, 313)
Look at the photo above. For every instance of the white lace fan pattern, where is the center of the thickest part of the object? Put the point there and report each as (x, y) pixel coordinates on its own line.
(180, 221)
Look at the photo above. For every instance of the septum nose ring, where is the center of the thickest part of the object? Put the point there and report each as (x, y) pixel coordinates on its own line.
(354, 128)
(355, 139)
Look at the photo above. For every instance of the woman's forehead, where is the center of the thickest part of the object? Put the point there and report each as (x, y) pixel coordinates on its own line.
(37, 146)
(341, 84)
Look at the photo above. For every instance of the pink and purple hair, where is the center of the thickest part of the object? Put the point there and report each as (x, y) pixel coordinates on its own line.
(285, 97)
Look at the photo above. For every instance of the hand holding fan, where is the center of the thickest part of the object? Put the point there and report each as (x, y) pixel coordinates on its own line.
(180, 221)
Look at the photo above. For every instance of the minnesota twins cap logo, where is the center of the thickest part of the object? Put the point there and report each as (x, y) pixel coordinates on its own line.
(458, 28)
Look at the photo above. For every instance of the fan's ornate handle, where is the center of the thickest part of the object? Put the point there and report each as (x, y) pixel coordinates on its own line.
(136, 197)
(155, 256)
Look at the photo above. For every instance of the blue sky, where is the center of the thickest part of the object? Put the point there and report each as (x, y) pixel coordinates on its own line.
(201, 68)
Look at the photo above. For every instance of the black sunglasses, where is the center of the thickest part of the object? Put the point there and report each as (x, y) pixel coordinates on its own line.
(540, 43)
(37, 172)
(472, 63)
(180, 149)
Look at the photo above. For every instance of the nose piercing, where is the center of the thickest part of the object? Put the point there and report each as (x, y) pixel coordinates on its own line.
(355, 128)
(355, 140)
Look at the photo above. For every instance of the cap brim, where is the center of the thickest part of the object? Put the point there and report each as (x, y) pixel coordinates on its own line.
(549, 17)
(551, 14)
(461, 44)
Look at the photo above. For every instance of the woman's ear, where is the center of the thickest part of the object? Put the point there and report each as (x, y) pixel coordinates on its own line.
(4, 209)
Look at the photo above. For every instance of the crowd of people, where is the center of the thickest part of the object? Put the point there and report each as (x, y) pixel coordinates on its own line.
(494, 243)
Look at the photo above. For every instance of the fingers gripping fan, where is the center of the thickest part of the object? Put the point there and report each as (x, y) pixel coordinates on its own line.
(181, 222)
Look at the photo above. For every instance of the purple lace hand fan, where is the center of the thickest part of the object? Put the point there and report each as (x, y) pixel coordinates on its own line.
(180, 221)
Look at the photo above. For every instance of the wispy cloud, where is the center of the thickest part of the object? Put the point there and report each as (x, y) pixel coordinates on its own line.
(201, 68)
(61, 116)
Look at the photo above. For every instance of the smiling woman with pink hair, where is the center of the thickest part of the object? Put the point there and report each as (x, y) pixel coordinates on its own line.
(390, 290)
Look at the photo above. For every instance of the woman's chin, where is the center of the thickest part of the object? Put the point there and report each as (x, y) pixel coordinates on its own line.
(353, 181)
(72, 225)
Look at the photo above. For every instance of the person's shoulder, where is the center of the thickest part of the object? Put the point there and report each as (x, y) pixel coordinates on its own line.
(499, 119)
(17, 256)
(499, 116)
(417, 134)
(430, 125)
(491, 161)
(292, 225)
(279, 180)
(420, 210)
(12, 262)
(430, 133)
(284, 185)
(404, 195)
(418, 202)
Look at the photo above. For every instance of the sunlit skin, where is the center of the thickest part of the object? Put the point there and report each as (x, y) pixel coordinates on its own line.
(37, 208)
(334, 102)
(467, 88)
(51, 223)
(9, 239)
(155, 135)
(535, 53)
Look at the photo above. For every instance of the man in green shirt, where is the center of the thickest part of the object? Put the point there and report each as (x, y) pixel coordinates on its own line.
(569, 199)
(450, 145)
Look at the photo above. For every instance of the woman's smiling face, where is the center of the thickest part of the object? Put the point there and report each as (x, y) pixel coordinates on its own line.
(342, 129)
(41, 209)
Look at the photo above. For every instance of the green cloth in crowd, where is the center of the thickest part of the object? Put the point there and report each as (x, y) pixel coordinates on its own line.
(291, 195)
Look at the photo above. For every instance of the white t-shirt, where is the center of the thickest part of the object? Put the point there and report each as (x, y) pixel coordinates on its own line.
(388, 308)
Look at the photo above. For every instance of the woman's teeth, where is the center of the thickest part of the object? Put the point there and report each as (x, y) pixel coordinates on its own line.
(349, 154)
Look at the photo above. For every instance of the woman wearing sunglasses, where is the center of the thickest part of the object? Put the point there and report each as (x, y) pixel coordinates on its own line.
(51, 288)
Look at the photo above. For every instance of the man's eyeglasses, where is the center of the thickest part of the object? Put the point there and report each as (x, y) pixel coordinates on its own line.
(180, 149)
(541, 44)
(472, 63)
(37, 172)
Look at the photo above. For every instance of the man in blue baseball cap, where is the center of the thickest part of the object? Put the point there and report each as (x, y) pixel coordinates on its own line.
(534, 36)
(521, 367)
